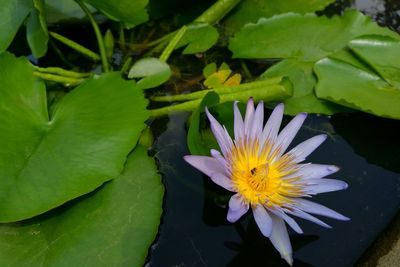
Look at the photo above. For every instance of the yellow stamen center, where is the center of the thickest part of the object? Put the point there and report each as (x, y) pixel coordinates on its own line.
(257, 174)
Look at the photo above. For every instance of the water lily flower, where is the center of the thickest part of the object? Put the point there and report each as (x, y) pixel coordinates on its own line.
(266, 179)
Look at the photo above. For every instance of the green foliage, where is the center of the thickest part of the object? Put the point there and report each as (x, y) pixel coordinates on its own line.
(130, 12)
(198, 37)
(152, 71)
(36, 29)
(12, 14)
(303, 40)
(252, 10)
(197, 140)
(377, 93)
(113, 226)
(301, 75)
(59, 156)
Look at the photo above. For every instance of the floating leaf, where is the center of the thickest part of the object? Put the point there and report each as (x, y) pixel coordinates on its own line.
(382, 54)
(198, 37)
(12, 14)
(153, 72)
(218, 78)
(305, 37)
(113, 226)
(36, 29)
(130, 12)
(63, 10)
(303, 80)
(252, 10)
(356, 88)
(48, 159)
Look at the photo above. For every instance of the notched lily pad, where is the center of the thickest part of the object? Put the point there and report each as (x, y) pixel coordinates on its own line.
(45, 160)
(113, 226)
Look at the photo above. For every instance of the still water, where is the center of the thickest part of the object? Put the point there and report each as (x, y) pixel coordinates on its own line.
(195, 232)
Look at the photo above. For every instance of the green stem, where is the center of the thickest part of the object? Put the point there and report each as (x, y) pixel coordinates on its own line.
(217, 11)
(172, 44)
(60, 54)
(63, 72)
(98, 34)
(122, 42)
(262, 84)
(275, 92)
(74, 45)
(67, 81)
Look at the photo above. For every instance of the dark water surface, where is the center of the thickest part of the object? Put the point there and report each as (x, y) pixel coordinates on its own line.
(195, 232)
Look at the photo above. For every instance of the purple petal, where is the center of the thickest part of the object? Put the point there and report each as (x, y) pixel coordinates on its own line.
(215, 154)
(314, 208)
(220, 133)
(316, 186)
(288, 133)
(313, 171)
(222, 181)
(271, 128)
(212, 168)
(280, 239)
(302, 150)
(306, 216)
(263, 220)
(248, 118)
(237, 207)
(238, 122)
(257, 121)
(293, 224)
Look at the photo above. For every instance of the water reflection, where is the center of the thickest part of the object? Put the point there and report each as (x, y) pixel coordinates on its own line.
(194, 231)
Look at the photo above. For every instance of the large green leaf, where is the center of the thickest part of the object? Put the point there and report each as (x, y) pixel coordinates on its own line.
(36, 29)
(130, 12)
(350, 86)
(382, 54)
(46, 160)
(252, 10)
(305, 37)
(12, 14)
(113, 226)
(303, 80)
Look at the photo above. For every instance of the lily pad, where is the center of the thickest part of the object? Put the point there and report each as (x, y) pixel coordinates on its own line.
(152, 71)
(130, 12)
(49, 159)
(36, 29)
(251, 10)
(381, 54)
(198, 38)
(12, 14)
(305, 37)
(356, 88)
(113, 226)
(300, 73)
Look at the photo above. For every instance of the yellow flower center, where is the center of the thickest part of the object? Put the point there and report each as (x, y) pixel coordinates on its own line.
(258, 174)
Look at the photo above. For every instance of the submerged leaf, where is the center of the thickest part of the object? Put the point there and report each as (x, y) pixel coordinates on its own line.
(48, 159)
(356, 88)
(113, 226)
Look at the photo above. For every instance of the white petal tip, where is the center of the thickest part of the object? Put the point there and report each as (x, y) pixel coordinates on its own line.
(332, 169)
(288, 258)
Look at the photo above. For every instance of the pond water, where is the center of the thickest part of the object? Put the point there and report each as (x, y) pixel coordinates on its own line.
(194, 230)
